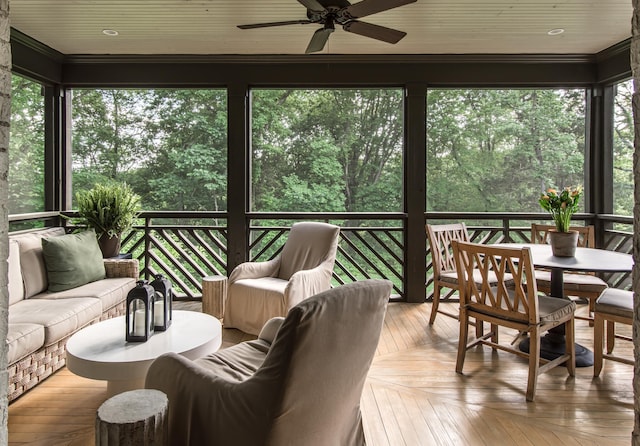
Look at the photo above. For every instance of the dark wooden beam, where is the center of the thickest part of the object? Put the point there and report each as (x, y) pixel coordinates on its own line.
(614, 63)
(578, 72)
(34, 60)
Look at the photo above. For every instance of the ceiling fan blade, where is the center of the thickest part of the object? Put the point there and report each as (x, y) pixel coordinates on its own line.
(368, 7)
(318, 40)
(266, 25)
(312, 5)
(374, 31)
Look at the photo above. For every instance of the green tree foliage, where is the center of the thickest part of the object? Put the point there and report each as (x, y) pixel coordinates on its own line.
(339, 149)
(169, 145)
(320, 150)
(189, 171)
(327, 150)
(497, 150)
(26, 147)
(109, 134)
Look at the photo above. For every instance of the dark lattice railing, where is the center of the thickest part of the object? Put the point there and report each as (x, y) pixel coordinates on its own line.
(363, 252)
(186, 246)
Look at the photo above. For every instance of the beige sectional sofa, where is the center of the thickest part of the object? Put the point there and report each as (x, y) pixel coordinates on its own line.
(40, 321)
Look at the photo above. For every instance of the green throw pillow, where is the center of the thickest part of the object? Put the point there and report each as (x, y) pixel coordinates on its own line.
(72, 260)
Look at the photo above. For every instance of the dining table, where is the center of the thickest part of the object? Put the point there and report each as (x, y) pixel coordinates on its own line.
(552, 344)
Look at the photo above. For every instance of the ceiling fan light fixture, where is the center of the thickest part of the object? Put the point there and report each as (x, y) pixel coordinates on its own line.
(110, 32)
(555, 31)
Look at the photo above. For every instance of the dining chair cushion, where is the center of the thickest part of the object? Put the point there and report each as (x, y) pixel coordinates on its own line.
(615, 302)
(449, 277)
(549, 308)
(452, 277)
(573, 282)
(554, 308)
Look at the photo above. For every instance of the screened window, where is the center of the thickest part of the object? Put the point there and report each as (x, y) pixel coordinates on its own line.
(497, 150)
(169, 145)
(623, 149)
(327, 150)
(26, 147)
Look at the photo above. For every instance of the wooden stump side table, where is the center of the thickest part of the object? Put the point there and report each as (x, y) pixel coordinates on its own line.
(214, 295)
(133, 418)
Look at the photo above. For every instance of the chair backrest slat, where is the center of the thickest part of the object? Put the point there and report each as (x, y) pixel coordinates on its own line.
(440, 238)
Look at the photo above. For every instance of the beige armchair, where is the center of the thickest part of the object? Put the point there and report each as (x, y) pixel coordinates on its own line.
(299, 383)
(259, 291)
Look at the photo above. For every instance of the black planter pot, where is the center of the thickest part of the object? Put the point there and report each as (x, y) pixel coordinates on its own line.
(110, 246)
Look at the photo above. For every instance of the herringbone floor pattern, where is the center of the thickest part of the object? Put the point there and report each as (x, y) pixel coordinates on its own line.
(412, 397)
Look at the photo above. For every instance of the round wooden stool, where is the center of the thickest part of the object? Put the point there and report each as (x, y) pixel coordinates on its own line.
(133, 418)
(214, 295)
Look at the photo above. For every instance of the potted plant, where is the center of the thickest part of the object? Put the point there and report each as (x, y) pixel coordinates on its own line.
(110, 209)
(562, 206)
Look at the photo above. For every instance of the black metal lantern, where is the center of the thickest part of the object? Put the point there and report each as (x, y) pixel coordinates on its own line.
(162, 302)
(139, 315)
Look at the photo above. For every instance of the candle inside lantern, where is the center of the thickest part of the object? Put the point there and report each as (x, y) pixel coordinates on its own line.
(158, 313)
(140, 322)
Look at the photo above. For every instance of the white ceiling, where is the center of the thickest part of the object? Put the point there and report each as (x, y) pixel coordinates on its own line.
(432, 27)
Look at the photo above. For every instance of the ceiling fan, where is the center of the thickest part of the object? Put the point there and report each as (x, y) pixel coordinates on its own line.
(330, 12)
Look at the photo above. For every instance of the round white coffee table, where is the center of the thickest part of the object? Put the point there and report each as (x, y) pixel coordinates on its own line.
(100, 351)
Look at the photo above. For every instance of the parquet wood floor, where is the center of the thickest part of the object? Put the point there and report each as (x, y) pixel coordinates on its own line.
(412, 397)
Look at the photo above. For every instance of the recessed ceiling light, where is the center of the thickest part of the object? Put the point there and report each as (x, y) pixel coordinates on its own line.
(110, 32)
(555, 31)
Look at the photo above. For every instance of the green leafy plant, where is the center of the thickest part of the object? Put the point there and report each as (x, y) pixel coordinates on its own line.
(561, 205)
(108, 208)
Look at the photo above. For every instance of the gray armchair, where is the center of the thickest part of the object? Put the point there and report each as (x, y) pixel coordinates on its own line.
(299, 383)
(259, 291)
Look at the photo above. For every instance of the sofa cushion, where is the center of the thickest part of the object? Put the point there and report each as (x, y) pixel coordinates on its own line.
(72, 260)
(23, 339)
(16, 287)
(34, 273)
(59, 317)
(110, 291)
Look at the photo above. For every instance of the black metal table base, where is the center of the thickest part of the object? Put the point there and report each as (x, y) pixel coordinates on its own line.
(552, 346)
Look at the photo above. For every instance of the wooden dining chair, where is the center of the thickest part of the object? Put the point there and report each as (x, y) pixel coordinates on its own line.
(585, 285)
(512, 302)
(444, 266)
(613, 305)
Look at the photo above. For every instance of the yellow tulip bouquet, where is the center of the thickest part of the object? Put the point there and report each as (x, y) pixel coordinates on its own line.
(561, 205)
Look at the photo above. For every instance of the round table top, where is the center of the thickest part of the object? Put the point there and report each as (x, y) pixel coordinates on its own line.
(100, 351)
(586, 259)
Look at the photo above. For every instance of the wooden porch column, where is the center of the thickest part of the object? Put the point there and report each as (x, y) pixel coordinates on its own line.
(415, 191)
(237, 174)
(599, 157)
